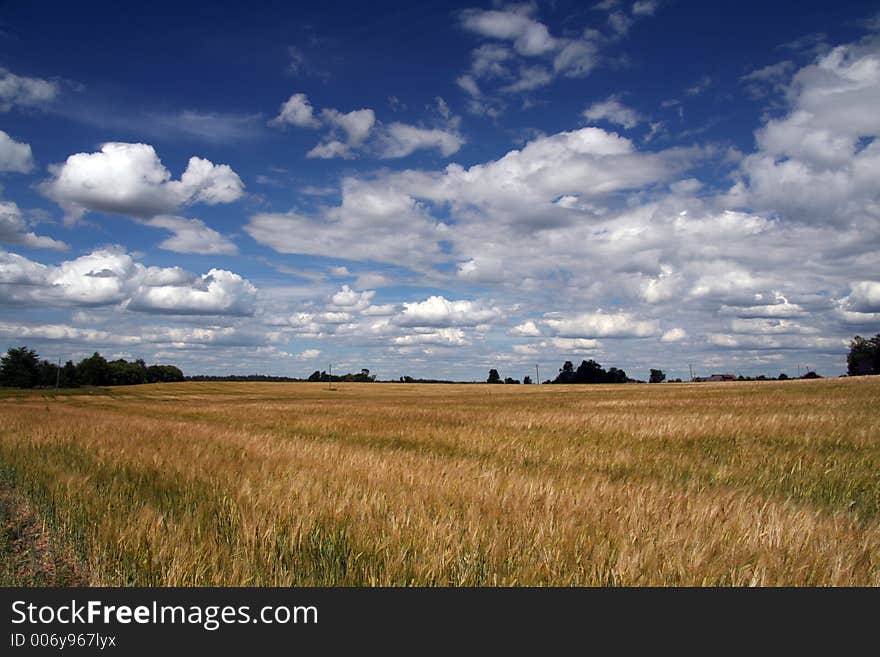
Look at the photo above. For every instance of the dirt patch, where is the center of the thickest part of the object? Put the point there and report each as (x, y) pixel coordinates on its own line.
(29, 556)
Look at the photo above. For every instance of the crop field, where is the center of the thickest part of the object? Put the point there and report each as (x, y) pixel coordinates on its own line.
(394, 484)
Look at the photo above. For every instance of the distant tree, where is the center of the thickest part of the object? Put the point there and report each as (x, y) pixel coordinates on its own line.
(811, 375)
(783, 376)
(589, 371)
(510, 380)
(314, 376)
(47, 374)
(615, 375)
(93, 371)
(68, 375)
(657, 376)
(566, 374)
(527, 380)
(864, 356)
(163, 374)
(123, 373)
(19, 368)
(493, 377)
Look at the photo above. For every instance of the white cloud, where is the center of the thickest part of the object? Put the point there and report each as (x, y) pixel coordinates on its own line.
(373, 222)
(782, 308)
(129, 179)
(356, 126)
(644, 7)
(864, 297)
(329, 150)
(437, 311)
(110, 276)
(576, 58)
(449, 337)
(296, 111)
(620, 22)
(219, 292)
(602, 325)
(348, 298)
(820, 161)
(14, 230)
(613, 111)
(372, 280)
(526, 329)
(529, 37)
(309, 354)
(352, 132)
(400, 140)
(192, 236)
(674, 335)
(21, 91)
(15, 156)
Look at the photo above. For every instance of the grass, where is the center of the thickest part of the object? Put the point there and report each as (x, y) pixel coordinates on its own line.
(393, 484)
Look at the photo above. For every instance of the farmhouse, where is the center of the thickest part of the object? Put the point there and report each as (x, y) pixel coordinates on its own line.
(715, 377)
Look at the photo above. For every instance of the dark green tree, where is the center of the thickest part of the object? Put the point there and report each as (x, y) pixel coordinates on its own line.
(657, 376)
(68, 375)
(864, 356)
(19, 368)
(493, 377)
(47, 374)
(93, 371)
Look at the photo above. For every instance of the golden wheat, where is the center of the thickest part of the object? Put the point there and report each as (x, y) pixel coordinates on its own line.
(387, 484)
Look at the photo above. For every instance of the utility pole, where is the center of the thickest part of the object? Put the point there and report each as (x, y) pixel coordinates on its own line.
(330, 377)
(537, 376)
(58, 374)
(692, 371)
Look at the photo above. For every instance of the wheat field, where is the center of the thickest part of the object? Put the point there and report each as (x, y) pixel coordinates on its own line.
(234, 484)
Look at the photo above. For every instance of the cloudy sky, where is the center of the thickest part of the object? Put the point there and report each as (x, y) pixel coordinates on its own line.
(434, 190)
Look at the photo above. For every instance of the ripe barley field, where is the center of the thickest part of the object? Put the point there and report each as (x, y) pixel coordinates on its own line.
(393, 484)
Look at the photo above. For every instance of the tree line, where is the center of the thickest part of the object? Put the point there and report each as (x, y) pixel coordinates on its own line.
(589, 371)
(363, 376)
(22, 367)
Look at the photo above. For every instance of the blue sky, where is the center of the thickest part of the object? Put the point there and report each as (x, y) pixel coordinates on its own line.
(434, 189)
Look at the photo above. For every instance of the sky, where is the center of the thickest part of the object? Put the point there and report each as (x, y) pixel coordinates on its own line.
(436, 189)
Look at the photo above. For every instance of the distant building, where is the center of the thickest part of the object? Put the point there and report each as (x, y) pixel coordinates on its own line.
(715, 378)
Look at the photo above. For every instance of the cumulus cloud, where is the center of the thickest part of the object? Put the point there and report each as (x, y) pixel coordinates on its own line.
(129, 179)
(674, 335)
(447, 337)
(400, 140)
(527, 329)
(15, 156)
(613, 111)
(437, 311)
(602, 325)
(110, 276)
(818, 163)
(348, 298)
(644, 7)
(19, 91)
(296, 111)
(219, 292)
(864, 297)
(522, 55)
(14, 231)
(376, 223)
(192, 236)
(528, 36)
(351, 133)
